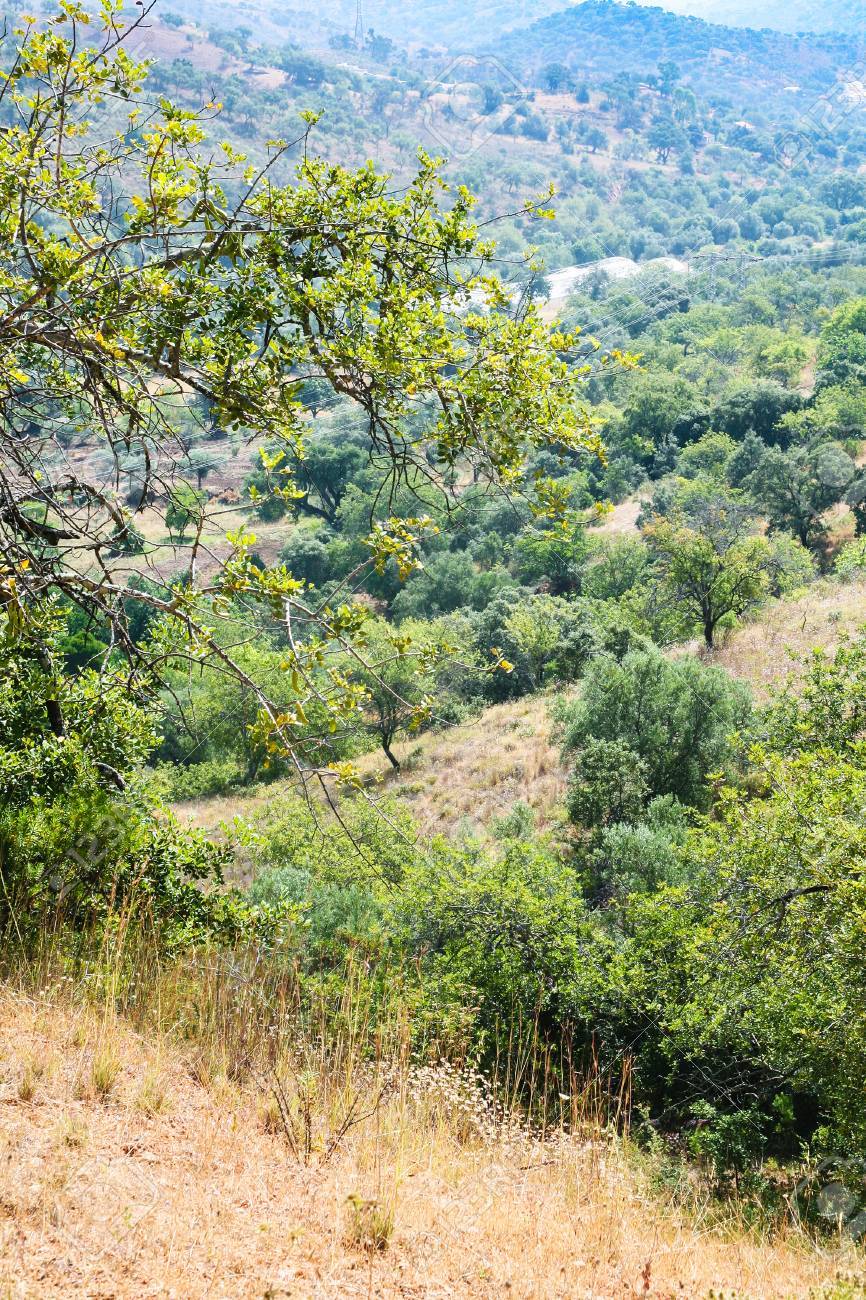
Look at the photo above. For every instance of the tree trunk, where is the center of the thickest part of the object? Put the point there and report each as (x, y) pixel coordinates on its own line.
(52, 704)
(386, 746)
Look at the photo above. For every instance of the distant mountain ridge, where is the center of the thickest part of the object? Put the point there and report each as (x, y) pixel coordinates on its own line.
(781, 15)
(602, 38)
(453, 23)
(462, 26)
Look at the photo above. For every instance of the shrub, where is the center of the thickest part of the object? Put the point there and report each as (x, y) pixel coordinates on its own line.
(616, 567)
(851, 561)
(608, 785)
(503, 931)
(178, 782)
(78, 838)
(367, 843)
(642, 856)
(675, 714)
(306, 557)
(333, 917)
(77, 861)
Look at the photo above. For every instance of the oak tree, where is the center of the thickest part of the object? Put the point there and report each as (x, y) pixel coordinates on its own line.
(144, 270)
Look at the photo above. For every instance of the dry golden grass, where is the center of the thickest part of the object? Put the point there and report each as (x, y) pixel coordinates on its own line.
(451, 781)
(104, 1198)
(461, 778)
(620, 521)
(454, 780)
(762, 652)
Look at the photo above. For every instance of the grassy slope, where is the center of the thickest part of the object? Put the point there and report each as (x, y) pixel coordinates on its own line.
(169, 1183)
(460, 779)
(451, 781)
(763, 651)
(467, 775)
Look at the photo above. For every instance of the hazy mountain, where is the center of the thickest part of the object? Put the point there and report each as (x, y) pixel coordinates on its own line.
(453, 23)
(755, 68)
(461, 25)
(782, 15)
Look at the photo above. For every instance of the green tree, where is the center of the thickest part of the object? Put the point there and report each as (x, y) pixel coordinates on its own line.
(146, 269)
(185, 509)
(842, 345)
(784, 871)
(615, 567)
(536, 626)
(669, 75)
(656, 404)
(331, 461)
(712, 568)
(797, 487)
(666, 137)
(316, 395)
(448, 582)
(77, 840)
(554, 557)
(556, 76)
(397, 680)
(756, 407)
(850, 561)
(837, 413)
(306, 556)
(641, 855)
(596, 139)
(512, 926)
(201, 461)
(676, 714)
(708, 457)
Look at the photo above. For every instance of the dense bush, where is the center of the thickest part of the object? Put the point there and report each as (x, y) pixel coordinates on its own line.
(717, 951)
(676, 715)
(76, 862)
(79, 838)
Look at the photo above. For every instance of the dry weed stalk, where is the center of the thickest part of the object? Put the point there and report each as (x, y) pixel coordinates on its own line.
(517, 1181)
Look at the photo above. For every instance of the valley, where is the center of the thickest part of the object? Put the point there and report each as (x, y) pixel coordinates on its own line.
(432, 650)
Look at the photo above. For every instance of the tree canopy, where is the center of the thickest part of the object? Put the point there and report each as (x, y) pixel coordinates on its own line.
(141, 269)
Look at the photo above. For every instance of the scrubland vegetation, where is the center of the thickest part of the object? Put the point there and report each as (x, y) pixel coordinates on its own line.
(432, 723)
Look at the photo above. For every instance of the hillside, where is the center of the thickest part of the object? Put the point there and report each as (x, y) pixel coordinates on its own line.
(642, 170)
(765, 649)
(440, 23)
(428, 439)
(454, 25)
(782, 15)
(758, 68)
(459, 781)
(167, 1180)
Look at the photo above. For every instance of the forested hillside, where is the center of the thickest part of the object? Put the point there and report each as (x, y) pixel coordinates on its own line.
(791, 16)
(433, 653)
(757, 68)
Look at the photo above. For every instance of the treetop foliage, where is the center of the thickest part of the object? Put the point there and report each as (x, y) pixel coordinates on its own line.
(141, 268)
